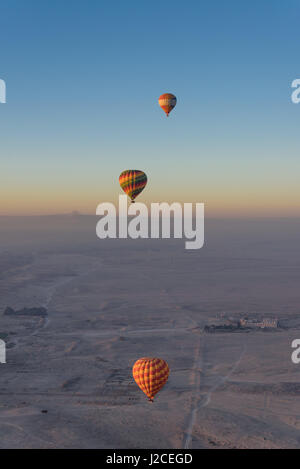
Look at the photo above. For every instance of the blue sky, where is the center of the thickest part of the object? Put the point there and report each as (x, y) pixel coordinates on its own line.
(83, 79)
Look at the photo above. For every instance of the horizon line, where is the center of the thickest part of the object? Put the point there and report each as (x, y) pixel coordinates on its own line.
(79, 214)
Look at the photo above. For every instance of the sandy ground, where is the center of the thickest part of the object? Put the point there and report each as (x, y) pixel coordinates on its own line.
(111, 302)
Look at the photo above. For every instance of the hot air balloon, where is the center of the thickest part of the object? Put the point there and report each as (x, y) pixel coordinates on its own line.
(133, 182)
(150, 374)
(167, 102)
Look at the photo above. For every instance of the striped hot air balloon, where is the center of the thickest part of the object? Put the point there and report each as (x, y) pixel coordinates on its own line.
(133, 182)
(150, 375)
(167, 102)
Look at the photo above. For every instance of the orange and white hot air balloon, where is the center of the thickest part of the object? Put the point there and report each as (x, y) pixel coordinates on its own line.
(150, 374)
(167, 102)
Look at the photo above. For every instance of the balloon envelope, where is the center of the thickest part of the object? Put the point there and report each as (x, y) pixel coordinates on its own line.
(150, 374)
(133, 181)
(167, 102)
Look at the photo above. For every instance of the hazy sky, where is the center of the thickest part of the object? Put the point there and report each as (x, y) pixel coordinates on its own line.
(83, 79)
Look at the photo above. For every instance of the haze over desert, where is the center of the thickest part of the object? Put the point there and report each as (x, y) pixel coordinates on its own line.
(68, 378)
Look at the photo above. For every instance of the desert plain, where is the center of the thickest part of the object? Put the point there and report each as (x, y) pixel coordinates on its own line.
(67, 380)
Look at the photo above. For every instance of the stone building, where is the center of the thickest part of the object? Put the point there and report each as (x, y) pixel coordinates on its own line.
(264, 323)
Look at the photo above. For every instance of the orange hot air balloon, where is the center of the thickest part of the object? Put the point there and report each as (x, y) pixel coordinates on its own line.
(150, 374)
(167, 102)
